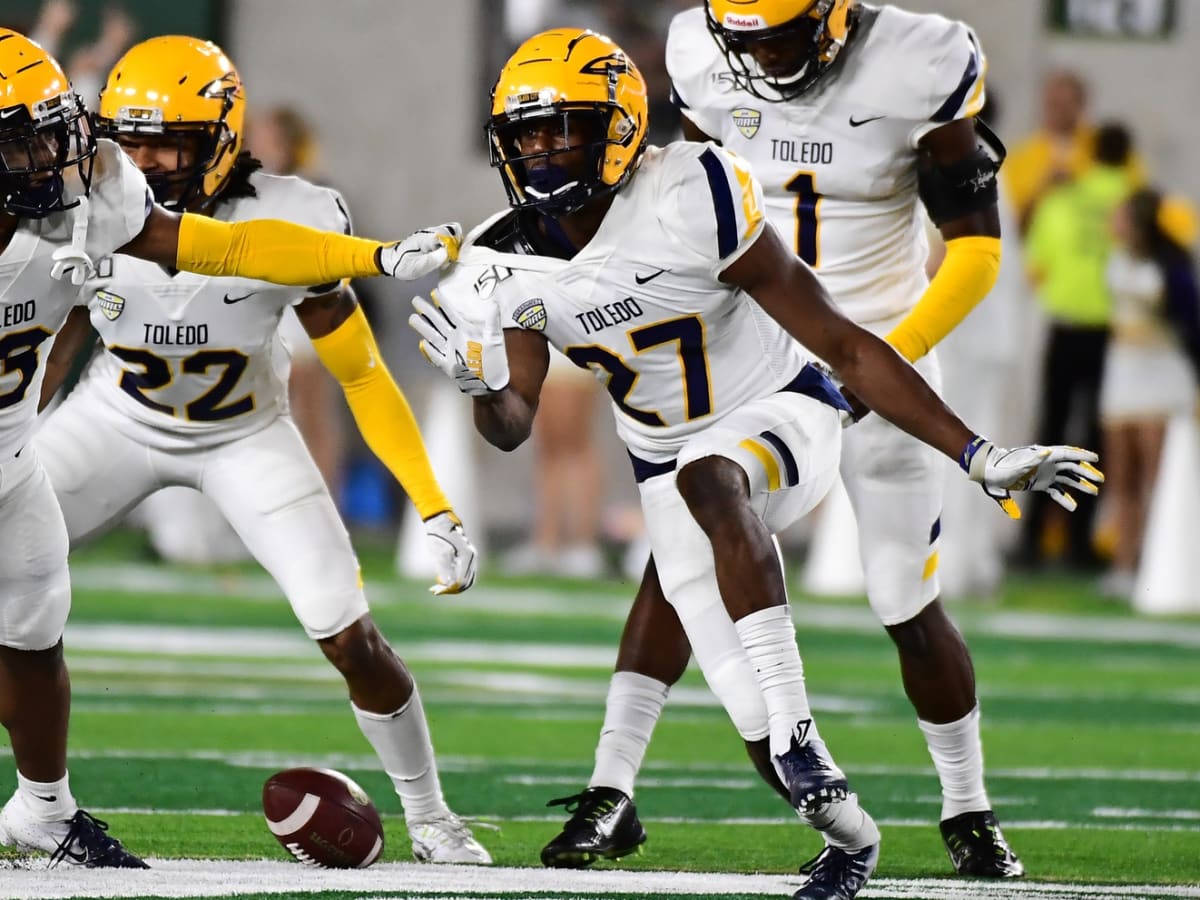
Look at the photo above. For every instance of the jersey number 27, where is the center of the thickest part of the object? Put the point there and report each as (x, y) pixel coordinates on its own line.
(697, 390)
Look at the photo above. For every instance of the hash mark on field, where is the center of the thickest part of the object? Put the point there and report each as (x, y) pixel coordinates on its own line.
(730, 822)
(227, 878)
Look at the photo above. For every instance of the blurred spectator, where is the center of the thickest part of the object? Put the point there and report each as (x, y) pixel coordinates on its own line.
(88, 66)
(1148, 377)
(1063, 148)
(1067, 251)
(283, 140)
(567, 479)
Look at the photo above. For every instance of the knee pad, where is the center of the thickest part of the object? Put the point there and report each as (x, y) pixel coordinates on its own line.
(723, 660)
(35, 620)
(731, 678)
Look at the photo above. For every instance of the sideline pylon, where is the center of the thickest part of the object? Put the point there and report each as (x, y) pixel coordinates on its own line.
(1168, 578)
(833, 567)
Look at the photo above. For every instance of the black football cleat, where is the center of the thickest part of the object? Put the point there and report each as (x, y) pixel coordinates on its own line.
(603, 825)
(87, 844)
(837, 874)
(977, 846)
(812, 777)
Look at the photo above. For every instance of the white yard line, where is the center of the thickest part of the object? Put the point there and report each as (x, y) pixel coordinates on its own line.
(218, 878)
(1186, 825)
(261, 759)
(134, 578)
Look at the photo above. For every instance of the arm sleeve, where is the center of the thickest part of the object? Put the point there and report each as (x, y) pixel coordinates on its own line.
(383, 415)
(965, 277)
(273, 250)
(714, 204)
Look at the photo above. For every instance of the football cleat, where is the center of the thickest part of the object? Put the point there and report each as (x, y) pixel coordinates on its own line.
(603, 825)
(446, 839)
(977, 846)
(812, 777)
(836, 874)
(82, 840)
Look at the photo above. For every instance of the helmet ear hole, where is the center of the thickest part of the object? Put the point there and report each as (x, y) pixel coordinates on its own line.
(809, 34)
(183, 85)
(589, 81)
(48, 148)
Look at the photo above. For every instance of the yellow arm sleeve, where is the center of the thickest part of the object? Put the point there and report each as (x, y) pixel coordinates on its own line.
(272, 250)
(383, 415)
(965, 277)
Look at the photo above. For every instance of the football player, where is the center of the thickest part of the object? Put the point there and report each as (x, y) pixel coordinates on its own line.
(66, 200)
(189, 389)
(682, 298)
(853, 117)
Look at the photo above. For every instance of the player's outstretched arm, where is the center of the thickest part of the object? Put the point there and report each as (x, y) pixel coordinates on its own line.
(71, 340)
(502, 370)
(788, 291)
(284, 252)
(343, 340)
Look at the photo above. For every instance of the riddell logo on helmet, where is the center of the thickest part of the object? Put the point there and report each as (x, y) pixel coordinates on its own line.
(734, 21)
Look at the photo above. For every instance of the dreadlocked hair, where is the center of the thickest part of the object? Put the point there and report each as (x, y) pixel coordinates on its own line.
(238, 185)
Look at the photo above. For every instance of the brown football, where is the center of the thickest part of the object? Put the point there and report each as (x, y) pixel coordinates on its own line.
(323, 818)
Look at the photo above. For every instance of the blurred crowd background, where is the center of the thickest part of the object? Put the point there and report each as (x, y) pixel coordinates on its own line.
(1091, 337)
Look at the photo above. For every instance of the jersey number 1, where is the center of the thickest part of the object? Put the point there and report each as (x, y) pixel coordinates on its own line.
(808, 226)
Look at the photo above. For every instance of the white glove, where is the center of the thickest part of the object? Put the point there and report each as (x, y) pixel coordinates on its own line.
(421, 252)
(471, 353)
(72, 263)
(1032, 468)
(453, 554)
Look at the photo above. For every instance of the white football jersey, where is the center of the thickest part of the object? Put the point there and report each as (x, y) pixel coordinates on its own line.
(192, 360)
(839, 163)
(33, 306)
(641, 305)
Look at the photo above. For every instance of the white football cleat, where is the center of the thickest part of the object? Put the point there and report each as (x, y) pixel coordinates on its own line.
(81, 840)
(446, 839)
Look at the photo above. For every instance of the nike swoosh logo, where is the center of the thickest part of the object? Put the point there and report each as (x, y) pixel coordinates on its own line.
(640, 279)
(854, 123)
(8, 113)
(229, 299)
(53, 798)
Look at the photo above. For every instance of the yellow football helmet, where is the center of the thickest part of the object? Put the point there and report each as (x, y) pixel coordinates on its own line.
(574, 81)
(187, 91)
(779, 48)
(44, 131)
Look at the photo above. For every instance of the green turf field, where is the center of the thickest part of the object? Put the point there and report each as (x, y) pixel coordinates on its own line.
(191, 688)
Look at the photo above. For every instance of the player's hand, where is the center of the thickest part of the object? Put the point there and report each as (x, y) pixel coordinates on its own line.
(471, 353)
(71, 263)
(1052, 470)
(421, 252)
(454, 557)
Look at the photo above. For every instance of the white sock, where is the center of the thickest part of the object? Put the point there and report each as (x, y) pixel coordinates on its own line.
(401, 740)
(769, 637)
(635, 702)
(957, 753)
(48, 801)
(845, 824)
